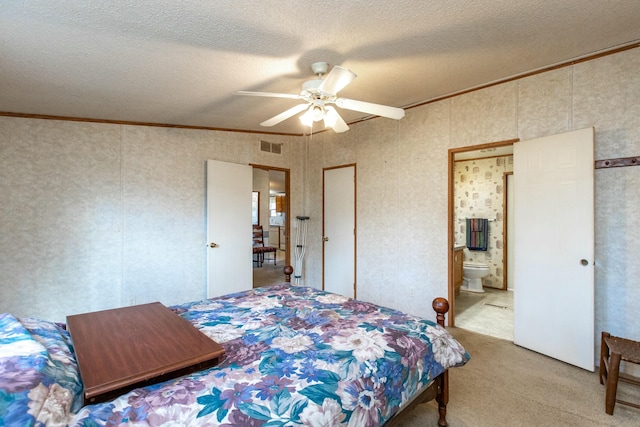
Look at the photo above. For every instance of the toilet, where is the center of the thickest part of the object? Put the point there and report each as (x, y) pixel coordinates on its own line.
(472, 274)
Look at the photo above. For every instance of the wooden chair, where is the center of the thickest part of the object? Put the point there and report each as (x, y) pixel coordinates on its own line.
(613, 350)
(259, 249)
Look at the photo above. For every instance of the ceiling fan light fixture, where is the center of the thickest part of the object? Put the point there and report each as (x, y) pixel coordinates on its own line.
(307, 117)
(315, 113)
(330, 118)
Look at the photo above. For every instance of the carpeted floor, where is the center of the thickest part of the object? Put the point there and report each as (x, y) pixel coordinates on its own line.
(507, 385)
(268, 273)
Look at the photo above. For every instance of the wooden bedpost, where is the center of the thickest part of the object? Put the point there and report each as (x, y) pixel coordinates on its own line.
(288, 271)
(441, 307)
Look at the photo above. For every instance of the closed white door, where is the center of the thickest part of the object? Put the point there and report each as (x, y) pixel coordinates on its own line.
(554, 246)
(339, 231)
(229, 229)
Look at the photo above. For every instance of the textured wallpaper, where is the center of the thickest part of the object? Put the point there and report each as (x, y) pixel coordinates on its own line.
(402, 180)
(96, 215)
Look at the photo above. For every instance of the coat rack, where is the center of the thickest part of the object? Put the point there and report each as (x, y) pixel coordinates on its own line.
(616, 163)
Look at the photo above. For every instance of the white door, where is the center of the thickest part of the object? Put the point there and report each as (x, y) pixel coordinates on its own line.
(229, 229)
(339, 231)
(554, 247)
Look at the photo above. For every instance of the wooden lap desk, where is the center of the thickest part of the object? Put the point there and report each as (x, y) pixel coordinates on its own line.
(124, 348)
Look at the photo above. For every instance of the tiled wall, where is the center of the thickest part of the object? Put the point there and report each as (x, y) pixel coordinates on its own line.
(479, 193)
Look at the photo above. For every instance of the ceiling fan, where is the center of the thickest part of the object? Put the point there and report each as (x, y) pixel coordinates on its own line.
(319, 93)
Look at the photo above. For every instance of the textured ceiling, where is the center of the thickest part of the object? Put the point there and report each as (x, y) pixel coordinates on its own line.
(180, 62)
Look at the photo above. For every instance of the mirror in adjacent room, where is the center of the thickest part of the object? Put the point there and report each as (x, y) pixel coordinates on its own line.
(255, 208)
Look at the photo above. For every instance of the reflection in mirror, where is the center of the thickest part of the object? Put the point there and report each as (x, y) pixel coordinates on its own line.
(255, 208)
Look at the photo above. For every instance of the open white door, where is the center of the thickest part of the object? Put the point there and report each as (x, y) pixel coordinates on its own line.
(339, 227)
(229, 253)
(554, 246)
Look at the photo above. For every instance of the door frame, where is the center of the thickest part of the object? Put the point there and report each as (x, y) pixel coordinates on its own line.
(450, 212)
(287, 219)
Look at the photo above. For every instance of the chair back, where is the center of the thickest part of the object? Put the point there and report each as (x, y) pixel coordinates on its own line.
(258, 236)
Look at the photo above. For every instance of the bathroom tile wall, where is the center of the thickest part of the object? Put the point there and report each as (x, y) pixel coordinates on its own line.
(479, 193)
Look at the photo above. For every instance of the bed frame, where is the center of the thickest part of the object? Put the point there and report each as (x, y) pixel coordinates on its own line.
(438, 389)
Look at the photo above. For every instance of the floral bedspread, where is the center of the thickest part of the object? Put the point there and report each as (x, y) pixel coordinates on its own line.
(294, 356)
(39, 379)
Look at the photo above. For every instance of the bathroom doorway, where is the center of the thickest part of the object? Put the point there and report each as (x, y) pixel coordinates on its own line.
(478, 177)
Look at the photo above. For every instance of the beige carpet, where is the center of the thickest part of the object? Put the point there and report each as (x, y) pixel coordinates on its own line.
(268, 273)
(506, 385)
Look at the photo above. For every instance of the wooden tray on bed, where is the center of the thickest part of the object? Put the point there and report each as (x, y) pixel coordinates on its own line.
(124, 348)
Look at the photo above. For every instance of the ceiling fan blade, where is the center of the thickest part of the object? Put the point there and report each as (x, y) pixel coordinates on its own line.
(371, 108)
(268, 94)
(285, 115)
(336, 80)
(333, 120)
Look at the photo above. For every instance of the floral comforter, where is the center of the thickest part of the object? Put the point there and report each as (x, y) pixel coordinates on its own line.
(294, 356)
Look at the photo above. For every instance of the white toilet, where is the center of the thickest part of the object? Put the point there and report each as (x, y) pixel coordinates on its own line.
(472, 274)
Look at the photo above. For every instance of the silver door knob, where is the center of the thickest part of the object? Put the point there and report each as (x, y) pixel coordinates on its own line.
(584, 262)
(325, 239)
(213, 245)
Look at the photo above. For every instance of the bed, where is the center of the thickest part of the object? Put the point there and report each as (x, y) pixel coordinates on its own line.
(293, 356)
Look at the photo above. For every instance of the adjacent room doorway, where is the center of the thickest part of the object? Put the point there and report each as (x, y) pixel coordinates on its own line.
(478, 181)
(272, 188)
(553, 258)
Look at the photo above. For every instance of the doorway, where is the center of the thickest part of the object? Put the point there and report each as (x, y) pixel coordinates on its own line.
(271, 212)
(480, 180)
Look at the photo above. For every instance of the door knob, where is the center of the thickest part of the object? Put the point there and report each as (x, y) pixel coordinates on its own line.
(584, 262)
(325, 239)
(213, 245)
